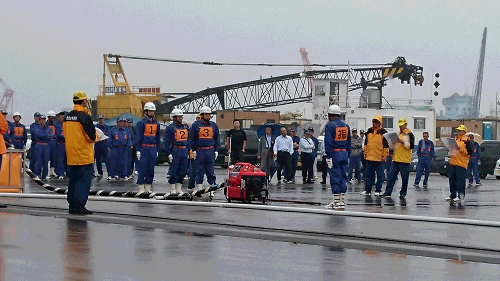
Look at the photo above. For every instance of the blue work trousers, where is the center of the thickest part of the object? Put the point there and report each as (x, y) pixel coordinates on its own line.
(62, 165)
(205, 161)
(473, 168)
(42, 156)
(338, 172)
(456, 179)
(101, 154)
(396, 168)
(146, 165)
(354, 164)
(80, 179)
(179, 165)
(424, 164)
(129, 160)
(192, 173)
(18, 144)
(117, 162)
(374, 168)
(32, 156)
(295, 160)
(53, 153)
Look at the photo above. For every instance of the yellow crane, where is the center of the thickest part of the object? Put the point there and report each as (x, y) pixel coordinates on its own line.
(121, 97)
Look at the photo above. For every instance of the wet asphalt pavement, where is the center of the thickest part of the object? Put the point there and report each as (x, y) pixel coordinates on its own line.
(133, 241)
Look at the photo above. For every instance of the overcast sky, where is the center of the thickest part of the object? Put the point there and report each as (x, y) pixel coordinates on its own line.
(51, 49)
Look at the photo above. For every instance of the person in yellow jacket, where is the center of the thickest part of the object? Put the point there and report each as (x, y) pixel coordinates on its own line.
(80, 135)
(459, 160)
(376, 149)
(401, 160)
(3, 149)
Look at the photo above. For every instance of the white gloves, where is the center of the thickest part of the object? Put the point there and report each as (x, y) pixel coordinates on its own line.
(216, 154)
(170, 158)
(194, 154)
(329, 162)
(138, 154)
(101, 135)
(157, 154)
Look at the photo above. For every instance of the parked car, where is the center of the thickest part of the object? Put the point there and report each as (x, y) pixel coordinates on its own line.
(250, 151)
(490, 153)
(162, 153)
(439, 164)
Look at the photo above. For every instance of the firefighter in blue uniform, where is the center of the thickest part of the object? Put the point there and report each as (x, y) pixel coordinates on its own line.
(147, 145)
(177, 148)
(425, 153)
(51, 122)
(192, 162)
(204, 140)
(474, 162)
(338, 149)
(133, 157)
(43, 135)
(33, 126)
(117, 143)
(130, 148)
(19, 135)
(101, 151)
(62, 162)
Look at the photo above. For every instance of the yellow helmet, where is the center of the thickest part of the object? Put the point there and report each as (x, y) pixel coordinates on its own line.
(461, 128)
(80, 95)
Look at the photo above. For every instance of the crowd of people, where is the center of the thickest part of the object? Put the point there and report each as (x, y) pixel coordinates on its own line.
(383, 158)
(71, 144)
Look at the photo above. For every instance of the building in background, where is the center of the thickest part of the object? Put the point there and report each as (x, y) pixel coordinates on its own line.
(457, 106)
(247, 118)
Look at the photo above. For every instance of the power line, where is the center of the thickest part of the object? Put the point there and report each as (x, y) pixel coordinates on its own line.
(239, 64)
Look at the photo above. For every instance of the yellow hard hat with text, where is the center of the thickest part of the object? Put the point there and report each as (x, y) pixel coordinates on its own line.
(461, 128)
(402, 121)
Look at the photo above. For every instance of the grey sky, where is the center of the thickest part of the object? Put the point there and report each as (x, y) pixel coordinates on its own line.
(50, 49)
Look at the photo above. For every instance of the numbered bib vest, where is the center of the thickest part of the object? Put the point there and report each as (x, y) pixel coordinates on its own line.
(206, 133)
(181, 135)
(150, 130)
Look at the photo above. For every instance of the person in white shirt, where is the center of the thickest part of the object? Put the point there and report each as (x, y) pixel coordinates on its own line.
(283, 149)
(306, 147)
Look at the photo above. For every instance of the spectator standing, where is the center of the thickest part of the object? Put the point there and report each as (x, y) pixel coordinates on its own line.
(236, 142)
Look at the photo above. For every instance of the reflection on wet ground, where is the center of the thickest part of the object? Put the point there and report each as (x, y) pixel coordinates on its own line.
(46, 248)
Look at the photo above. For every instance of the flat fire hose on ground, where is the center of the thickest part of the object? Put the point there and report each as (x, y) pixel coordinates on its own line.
(146, 195)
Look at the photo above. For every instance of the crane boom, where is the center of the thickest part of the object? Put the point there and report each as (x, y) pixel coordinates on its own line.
(6, 102)
(478, 83)
(307, 66)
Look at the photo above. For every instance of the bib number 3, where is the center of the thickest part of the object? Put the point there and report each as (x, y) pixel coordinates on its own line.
(206, 133)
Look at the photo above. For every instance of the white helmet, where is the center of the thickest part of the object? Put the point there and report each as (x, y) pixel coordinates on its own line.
(150, 106)
(17, 114)
(205, 109)
(176, 112)
(334, 109)
(51, 114)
